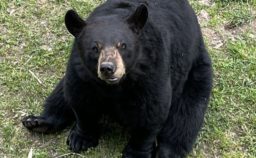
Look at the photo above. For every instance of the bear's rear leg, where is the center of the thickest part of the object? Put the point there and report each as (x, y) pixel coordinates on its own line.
(187, 113)
(56, 116)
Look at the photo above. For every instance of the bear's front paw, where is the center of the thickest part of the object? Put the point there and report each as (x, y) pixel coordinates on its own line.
(37, 124)
(78, 142)
(131, 153)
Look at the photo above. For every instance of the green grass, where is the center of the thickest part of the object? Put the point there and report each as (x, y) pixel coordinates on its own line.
(34, 48)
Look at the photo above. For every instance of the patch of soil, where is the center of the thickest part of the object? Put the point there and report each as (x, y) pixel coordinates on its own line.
(214, 38)
(203, 17)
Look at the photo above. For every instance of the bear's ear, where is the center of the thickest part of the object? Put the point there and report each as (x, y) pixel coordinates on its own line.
(138, 19)
(74, 23)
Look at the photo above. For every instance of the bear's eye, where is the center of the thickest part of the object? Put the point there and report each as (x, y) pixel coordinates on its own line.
(97, 46)
(121, 45)
(95, 49)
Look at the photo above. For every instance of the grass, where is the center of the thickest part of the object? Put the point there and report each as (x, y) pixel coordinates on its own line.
(34, 48)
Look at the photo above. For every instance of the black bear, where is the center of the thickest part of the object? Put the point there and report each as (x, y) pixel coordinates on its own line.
(142, 62)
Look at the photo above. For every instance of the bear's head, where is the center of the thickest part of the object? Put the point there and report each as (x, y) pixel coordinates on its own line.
(108, 45)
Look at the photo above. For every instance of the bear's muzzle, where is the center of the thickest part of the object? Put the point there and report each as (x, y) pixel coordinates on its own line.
(111, 67)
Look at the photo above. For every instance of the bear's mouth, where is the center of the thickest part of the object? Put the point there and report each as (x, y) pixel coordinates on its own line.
(112, 80)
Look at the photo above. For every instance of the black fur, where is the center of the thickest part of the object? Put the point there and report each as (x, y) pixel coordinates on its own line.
(163, 95)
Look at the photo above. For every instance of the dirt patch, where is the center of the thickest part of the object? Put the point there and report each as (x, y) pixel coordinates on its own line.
(203, 17)
(212, 35)
(214, 38)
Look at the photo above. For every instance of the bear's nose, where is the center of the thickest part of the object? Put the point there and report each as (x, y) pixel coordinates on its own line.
(107, 68)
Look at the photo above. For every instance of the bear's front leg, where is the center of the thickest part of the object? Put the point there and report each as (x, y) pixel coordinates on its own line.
(142, 144)
(79, 140)
(152, 113)
(85, 133)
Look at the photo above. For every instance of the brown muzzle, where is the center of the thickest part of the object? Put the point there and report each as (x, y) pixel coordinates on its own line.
(111, 67)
